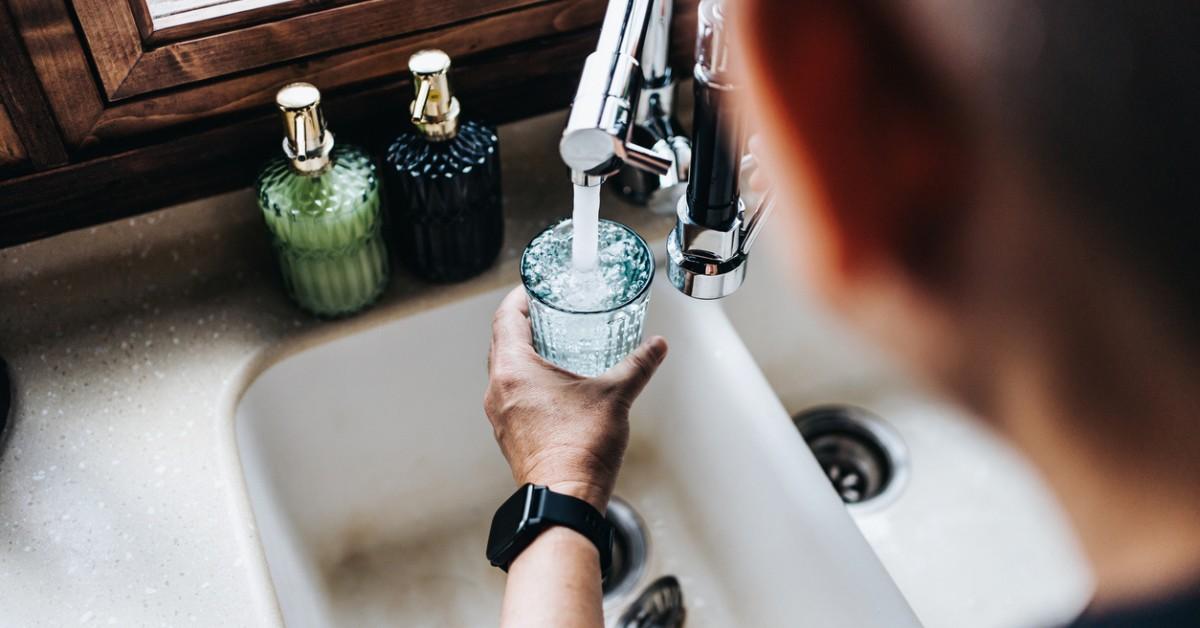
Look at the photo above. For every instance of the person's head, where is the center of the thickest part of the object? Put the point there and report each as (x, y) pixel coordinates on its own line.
(1005, 192)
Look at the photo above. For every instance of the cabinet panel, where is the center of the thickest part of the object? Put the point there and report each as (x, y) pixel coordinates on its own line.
(382, 61)
(165, 14)
(176, 20)
(28, 117)
(128, 67)
(12, 152)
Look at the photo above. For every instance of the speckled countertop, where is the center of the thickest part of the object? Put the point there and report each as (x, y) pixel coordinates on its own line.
(121, 497)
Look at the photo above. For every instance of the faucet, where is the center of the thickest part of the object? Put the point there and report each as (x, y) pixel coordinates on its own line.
(707, 251)
(654, 121)
(626, 86)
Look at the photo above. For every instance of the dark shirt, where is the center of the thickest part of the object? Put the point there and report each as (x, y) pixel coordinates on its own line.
(1178, 611)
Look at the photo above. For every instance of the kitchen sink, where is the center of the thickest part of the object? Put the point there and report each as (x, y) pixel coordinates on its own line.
(373, 475)
(971, 536)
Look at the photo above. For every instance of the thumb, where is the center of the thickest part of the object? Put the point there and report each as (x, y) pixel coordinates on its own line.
(632, 374)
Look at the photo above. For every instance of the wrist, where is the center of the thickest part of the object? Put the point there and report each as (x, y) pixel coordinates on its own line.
(557, 542)
(583, 481)
(590, 493)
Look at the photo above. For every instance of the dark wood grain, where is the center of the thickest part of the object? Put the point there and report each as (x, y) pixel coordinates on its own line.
(143, 19)
(60, 61)
(374, 62)
(126, 69)
(228, 157)
(12, 151)
(160, 36)
(24, 101)
(113, 39)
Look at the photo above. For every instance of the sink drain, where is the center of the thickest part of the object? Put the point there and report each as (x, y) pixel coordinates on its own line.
(863, 457)
(659, 606)
(629, 549)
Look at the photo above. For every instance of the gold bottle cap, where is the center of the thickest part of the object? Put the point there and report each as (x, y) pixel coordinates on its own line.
(307, 143)
(434, 109)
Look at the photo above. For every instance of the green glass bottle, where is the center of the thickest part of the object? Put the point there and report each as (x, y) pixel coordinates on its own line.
(322, 204)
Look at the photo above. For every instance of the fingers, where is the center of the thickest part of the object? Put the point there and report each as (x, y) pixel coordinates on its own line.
(758, 178)
(755, 145)
(510, 326)
(632, 374)
(511, 323)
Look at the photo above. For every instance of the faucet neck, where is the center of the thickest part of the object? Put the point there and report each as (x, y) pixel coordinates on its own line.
(717, 146)
(718, 137)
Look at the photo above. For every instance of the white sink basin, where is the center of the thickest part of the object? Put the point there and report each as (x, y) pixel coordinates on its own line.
(373, 476)
(972, 538)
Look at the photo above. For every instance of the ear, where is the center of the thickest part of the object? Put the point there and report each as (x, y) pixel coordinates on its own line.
(856, 134)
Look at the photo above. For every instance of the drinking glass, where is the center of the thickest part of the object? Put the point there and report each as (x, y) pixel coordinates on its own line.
(586, 323)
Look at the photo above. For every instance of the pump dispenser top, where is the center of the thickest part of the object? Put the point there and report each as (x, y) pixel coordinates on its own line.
(434, 108)
(307, 142)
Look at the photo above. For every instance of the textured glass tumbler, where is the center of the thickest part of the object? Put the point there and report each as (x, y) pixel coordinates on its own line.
(587, 336)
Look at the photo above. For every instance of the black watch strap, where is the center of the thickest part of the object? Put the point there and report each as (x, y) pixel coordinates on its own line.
(533, 509)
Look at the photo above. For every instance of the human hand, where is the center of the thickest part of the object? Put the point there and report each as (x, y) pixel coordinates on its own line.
(556, 428)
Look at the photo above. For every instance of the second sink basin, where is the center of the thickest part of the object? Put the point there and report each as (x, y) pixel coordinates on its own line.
(971, 536)
(373, 477)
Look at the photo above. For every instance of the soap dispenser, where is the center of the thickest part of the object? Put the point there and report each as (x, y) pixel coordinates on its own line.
(443, 181)
(322, 204)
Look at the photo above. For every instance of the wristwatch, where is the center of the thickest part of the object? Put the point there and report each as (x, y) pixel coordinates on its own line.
(533, 509)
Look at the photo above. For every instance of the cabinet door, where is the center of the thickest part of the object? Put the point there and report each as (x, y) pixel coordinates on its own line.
(143, 46)
(12, 152)
(143, 66)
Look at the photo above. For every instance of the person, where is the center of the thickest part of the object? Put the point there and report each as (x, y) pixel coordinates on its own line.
(1002, 193)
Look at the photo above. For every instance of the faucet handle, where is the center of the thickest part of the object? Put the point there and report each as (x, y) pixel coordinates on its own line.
(766, 205)
(762, 211)
(680, 150)
(648, 160)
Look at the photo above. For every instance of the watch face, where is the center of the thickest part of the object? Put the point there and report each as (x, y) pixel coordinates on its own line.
(509, 520)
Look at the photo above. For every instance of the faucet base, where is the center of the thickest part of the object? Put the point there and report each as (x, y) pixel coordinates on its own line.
(702, 262)
(701, 280)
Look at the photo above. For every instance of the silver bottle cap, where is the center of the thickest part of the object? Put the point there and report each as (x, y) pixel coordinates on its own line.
(307, 143)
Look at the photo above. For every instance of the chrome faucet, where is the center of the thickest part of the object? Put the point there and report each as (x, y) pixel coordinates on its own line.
(654, 122)
(707, 251)
(618, 94)
(626, 86)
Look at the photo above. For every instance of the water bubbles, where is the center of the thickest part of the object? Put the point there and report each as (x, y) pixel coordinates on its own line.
(622, 270)
(587, 321)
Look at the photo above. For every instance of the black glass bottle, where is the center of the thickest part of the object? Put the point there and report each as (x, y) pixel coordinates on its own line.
(443, 182)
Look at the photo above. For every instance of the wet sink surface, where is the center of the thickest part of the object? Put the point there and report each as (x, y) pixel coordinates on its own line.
(373, 476)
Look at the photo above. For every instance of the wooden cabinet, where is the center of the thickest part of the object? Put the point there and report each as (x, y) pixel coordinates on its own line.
(12, 152)
(141, 103)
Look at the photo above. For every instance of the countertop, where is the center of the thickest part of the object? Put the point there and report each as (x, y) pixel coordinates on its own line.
(121, 495)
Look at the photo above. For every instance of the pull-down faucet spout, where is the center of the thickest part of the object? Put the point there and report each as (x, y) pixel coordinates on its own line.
(707, 251)
(597, 142)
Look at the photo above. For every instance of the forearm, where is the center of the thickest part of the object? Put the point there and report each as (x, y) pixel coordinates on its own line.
(554, 582)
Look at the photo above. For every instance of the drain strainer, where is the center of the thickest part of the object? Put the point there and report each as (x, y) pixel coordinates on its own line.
(862, 456)
(659, 606)
(629, 549)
